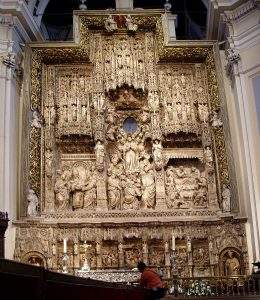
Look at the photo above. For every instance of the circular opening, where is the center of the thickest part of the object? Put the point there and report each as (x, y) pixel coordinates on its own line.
(130, 125)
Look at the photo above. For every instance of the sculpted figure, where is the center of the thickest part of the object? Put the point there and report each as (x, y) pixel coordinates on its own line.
(132, 190)
(100, 154)
(131, 156)
(226, 199)
(157, 153)
(33, 203)
(179, 111)
(90, 189)
(216, 121)
(208, 156)
(153, 101)
(77, 184)
(64, 113)
(201, 195)
(170, 184)
(168, 112)
(180, 172)
(129, 24)
(37, 121)
(148, 188)
(110, 24)
(62, 190)
(114, 190)
(232, 265)
(203, 112)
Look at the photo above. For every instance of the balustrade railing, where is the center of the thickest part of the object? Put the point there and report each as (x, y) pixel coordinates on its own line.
(213, 286)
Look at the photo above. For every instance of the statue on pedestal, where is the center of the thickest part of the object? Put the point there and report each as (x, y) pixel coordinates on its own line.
(33, 203)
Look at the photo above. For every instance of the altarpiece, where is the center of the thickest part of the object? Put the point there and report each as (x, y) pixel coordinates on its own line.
(126, 151)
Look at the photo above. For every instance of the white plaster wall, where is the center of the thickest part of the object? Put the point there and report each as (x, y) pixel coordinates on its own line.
(245, 37)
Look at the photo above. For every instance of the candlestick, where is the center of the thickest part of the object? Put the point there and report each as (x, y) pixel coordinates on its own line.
(173, 242)
(64, 245)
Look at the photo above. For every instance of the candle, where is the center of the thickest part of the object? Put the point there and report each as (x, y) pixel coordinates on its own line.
(189, 245)
(173, 242)
(65, 246)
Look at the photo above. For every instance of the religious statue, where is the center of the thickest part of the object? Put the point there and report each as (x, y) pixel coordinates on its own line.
(203, 113)
(208, 156)
(110, 24)
(114, 190)
(157, 154)
(226, 199)
(232, 265)
(90, 189)
(153, 101)
(132, 191)
(130, 149)
(216, 121)
(77, 184)
(33, 203)
(37, 121)
(62, 190)
(100, 154)
(148, 185)
(130, 25)
(48, 163)
(99, 102)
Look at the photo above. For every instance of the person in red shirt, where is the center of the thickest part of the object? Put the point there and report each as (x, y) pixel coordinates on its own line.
(151, 280)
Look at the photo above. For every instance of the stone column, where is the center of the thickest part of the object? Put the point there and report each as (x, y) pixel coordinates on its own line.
(16, 28)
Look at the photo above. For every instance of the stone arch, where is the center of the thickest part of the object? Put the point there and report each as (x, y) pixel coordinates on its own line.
(35, 258)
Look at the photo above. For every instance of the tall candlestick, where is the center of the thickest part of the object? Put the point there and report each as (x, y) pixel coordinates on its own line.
(65, 246)
(173, 242)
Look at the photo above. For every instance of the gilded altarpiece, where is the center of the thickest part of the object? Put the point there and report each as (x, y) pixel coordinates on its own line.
(127, 154)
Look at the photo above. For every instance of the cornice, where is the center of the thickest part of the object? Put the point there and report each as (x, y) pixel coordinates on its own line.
(227, 11)
(241, 11)
(19, 9)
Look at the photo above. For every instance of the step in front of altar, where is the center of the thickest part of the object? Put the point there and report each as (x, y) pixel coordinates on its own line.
(124, 276)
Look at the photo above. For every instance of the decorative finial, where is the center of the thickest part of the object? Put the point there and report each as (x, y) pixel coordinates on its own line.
(83, 6)
(167, 5)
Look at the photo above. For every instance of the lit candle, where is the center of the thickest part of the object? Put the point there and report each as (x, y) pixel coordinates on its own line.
(173, 242)
(65, 246)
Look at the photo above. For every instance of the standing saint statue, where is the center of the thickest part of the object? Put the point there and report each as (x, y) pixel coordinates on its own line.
(232, 265)
(100, 154)
(131, 156)
(157, 153)
(33, 203)
(62, 189)
(226, 199)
